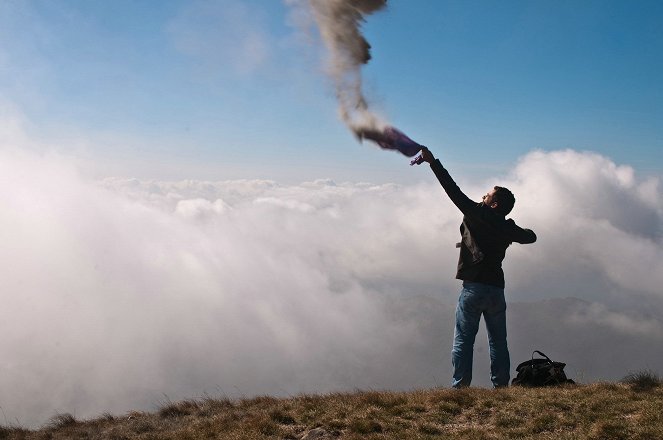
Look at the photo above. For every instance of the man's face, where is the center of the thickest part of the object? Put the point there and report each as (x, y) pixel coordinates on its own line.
(489, 199)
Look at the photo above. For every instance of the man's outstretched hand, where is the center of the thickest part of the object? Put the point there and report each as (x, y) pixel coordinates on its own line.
(425, 156)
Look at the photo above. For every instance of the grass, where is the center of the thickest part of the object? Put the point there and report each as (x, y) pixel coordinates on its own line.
(643, 380)
(61, 421)
(627, 410)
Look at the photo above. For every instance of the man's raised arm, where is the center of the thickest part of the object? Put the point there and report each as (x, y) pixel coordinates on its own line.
(464, 203)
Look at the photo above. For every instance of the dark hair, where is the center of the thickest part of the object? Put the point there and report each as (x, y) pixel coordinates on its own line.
(505, 200)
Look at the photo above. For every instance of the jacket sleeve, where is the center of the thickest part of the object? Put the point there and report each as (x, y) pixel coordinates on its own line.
(518, 234)
(464, 203)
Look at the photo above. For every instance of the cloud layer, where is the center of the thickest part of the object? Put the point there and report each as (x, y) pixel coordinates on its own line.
(120, 291)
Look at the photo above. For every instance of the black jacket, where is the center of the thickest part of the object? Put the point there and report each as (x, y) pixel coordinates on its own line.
(485, 235)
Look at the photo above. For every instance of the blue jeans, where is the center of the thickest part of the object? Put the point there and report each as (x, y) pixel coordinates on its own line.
(477, 299)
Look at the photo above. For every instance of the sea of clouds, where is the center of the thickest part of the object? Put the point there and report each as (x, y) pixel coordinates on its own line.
(119, 294)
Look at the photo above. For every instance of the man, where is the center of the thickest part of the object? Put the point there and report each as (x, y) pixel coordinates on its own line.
(485, 235)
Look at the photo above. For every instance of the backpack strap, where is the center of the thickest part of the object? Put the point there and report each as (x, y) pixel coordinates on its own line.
(537, 351)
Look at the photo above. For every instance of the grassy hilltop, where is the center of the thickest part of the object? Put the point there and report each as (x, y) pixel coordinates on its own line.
(629, 410)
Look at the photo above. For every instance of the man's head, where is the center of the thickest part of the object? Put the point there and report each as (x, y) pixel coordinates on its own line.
(500, 199)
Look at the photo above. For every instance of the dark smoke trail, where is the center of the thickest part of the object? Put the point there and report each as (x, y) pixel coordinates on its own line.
(339, 22)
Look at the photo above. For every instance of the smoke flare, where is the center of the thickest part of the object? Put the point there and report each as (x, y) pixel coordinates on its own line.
(339, 22)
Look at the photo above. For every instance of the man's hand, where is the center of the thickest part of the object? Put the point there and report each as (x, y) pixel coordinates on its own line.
(425, 156)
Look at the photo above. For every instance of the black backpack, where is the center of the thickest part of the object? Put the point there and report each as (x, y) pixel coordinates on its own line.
(540, 372)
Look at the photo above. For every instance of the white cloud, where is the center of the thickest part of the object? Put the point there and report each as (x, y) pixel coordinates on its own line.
(198, 208)
(165, 295)
(12, 128)
(599, 314)
(119, 291)
(594, 220)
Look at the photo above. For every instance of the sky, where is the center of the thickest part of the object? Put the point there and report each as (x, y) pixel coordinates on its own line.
(184, 214)
(236, 89)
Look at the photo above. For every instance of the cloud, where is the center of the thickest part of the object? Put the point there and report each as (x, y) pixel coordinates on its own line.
(177, 296)
(198, 208)
(119, 291)
(595, 220)
(600, 315)
(596, 342)
(13, 127)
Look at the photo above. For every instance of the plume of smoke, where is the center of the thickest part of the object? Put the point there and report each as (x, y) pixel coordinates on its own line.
(339, 22)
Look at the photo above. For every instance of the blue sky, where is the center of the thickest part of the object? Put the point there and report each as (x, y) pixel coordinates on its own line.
(232, 89)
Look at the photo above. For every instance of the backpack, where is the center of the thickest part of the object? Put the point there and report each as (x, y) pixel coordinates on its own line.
(540, 372)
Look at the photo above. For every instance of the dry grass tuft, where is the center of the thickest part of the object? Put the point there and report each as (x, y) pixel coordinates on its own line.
(644, 380)
(60, 421)
(178, 409)
(13, 432)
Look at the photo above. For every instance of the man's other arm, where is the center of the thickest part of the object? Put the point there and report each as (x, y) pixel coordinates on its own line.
(518, 234)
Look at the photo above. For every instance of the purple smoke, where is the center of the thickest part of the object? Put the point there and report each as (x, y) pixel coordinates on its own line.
(391, 138)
